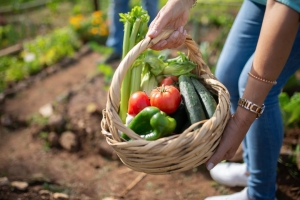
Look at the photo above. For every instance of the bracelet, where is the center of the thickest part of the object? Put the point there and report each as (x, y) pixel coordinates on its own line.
(262, 79)
(248, 105)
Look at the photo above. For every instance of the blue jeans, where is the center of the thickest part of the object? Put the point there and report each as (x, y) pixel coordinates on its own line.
(116, 34)
(264, 139)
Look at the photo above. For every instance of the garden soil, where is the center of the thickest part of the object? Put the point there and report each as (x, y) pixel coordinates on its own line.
(88, 168)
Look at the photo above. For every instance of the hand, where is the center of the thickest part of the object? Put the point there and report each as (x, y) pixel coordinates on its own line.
(233, 135)
(174, 15)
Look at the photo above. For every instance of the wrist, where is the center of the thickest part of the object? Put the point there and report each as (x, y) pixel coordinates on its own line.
(244, 118)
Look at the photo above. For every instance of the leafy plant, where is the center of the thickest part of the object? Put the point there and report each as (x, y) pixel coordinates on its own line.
(37, 119)
(90, 28)
(49, 49)
(290, 108)
(107, 71)
(104, 50)
(8, 35)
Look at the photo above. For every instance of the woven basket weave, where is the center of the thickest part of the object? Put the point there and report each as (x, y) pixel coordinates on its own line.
(175, 153)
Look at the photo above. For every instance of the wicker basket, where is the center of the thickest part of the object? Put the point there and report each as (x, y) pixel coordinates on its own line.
(175, 153)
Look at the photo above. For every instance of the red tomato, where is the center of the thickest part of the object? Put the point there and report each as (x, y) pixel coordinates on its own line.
(137, 102)
(170, 80)
(167, 98)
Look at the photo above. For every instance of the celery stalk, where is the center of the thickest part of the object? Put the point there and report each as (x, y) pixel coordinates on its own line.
(126, 81)
(132, 35)
(136, 70)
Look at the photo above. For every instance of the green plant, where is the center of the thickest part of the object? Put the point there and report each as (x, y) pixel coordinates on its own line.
(290, 108)
(8, 35)
(90, 28)
(107, 71)
(37, 119)
(104, 50)
(50, 48)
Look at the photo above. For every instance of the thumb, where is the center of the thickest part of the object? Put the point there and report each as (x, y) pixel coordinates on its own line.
(217, 157)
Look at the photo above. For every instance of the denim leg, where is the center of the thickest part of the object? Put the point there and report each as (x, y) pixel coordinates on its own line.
(239, 46)
(116, 29)
(151, 6)
(116, 35)
(264, 138)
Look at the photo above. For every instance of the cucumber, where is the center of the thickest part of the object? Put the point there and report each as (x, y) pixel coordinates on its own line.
(208, 101)
(191, 100)
(181, 117)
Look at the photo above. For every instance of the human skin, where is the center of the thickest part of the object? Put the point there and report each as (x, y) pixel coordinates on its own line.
(277, 36)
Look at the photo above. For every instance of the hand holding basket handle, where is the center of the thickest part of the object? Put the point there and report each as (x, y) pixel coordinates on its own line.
(174, 153)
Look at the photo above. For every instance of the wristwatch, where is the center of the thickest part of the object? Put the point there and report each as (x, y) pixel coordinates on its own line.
(248, 105)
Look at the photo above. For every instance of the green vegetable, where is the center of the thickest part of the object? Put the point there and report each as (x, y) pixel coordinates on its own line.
(135, 29)
(191, 100)
(149, 81)
(156, 65)
(181, 117)
(207, 99)
(152, 123)
(179, 65)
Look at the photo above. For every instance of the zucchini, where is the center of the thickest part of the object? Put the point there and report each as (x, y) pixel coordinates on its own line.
(181, 117)
(208, 101)
(191, 99)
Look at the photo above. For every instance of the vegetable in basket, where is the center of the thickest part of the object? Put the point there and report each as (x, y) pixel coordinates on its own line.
(199, 102)
(191, 99)
(151, 123)
(169, 80)
(135, 28)
(166, 97)
(137, 102)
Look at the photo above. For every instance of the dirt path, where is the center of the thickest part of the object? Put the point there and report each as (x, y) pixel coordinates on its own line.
(28, 101)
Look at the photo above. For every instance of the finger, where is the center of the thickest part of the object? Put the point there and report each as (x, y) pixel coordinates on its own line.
(217, 157)
(157, 25)
(176, 39)
(160, 45)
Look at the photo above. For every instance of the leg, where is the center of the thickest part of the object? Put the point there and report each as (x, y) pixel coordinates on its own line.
(239, 47)
(115, 39)
(151, 6)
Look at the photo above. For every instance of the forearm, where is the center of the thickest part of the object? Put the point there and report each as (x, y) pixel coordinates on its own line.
(276, 39)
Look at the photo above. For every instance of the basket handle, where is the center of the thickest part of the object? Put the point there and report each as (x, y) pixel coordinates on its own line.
(114, 94)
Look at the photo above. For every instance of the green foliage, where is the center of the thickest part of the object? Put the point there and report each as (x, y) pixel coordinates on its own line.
(14, 3)
(37, 54)
(91, 27)
(290, 108)
(37, 119)
(107, 71)
(8, 35)
(104, 50)
(51, 48)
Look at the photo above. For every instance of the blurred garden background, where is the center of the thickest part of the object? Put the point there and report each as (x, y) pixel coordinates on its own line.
(46, 42)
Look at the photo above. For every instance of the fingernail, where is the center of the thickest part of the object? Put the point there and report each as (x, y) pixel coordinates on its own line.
(152, 32)
(176, 34)
(210, 166)
(181, 29)
(184, 32)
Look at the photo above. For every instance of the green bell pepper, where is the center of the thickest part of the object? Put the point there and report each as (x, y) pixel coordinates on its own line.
(151, 123)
